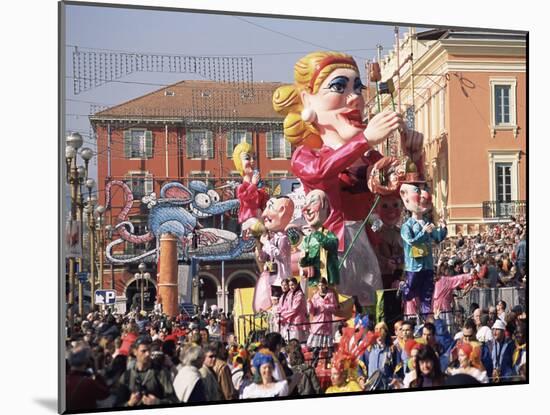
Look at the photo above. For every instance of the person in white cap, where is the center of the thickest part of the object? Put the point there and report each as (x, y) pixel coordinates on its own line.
(484, 333)
(502, 350)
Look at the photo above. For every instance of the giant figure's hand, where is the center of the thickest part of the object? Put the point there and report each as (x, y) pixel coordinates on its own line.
(382, 125)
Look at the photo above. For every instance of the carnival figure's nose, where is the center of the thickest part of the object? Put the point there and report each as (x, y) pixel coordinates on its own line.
(352, 98)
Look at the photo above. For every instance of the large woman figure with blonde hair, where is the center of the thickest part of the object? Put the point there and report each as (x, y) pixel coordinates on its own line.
(324, 118)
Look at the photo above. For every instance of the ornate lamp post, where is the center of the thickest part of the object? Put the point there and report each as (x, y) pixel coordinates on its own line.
(73, 143)
(109, 231)
(141, 275)
(90, 205)
(99, 211)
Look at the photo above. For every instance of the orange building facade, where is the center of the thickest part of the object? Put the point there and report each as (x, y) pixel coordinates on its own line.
(186, 131)
(470, 102)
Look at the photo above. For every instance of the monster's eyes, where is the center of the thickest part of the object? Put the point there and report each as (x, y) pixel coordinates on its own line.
(202, 200)
(214, 196)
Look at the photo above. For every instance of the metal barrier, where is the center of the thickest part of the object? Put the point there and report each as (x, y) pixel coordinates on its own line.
(453, 319)
(309, 323)
(486, 297)
(250, 323)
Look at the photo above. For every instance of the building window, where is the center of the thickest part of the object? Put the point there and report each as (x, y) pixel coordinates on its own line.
(141, 184)
(277, 147)
(200, 144)
(138, 143)
(137, 249)
(503, 105)
(504, 180)
(234, 138)
(503, 175)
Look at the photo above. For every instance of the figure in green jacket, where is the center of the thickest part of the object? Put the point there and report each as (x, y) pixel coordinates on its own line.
(320, 246)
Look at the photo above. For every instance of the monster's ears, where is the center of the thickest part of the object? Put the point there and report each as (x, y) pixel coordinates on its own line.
(177, 191)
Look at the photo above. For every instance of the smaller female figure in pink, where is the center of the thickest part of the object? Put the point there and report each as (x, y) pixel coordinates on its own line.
(251, 197)
(321, 308)
(294, 313)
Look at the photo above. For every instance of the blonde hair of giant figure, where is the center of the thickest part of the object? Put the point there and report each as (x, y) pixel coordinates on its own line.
(240, 149)
(287, 101)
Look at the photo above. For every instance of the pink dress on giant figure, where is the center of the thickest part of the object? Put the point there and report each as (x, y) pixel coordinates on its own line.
(274, 252)
(252, 198)
(324, 116)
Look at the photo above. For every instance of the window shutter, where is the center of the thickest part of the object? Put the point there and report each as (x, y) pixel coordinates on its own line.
(127, 144)
(148, 186)
(210, 144)
(287, 147)
(148, 144)
(229, 143)
(269, 146)
(189, 144)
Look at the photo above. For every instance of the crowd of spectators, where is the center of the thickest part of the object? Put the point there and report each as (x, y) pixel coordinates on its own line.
(496, 257)
(147, 358)
(141, 359)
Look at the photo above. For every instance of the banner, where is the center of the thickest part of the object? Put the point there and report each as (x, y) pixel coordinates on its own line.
(73, 245)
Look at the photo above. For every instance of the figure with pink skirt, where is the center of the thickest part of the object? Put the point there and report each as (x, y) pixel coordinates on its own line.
(321, 308)
(274, 252)
(294, 313)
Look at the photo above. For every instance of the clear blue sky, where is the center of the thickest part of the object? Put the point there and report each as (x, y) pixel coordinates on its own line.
(274, 44)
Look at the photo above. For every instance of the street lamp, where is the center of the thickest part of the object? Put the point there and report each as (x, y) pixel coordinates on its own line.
(109, 230)
(99, 211)
(90, 204)
(81, 177)
(74, 140)
(86, 154)
(141, 275)
(73, 143)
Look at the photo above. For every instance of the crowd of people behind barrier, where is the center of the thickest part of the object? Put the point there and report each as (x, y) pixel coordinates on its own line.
(144, 359)
(497, 257)
(150, 359)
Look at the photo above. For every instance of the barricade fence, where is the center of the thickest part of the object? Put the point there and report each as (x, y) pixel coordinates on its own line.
(454, 319)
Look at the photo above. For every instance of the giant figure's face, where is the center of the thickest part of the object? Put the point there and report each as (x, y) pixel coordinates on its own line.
(416, 198)
(338, 104)
(389, 209)
(277, 214)
(248, 162)
(316, 209)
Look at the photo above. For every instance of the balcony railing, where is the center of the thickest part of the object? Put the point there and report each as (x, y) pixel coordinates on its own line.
(495, 209)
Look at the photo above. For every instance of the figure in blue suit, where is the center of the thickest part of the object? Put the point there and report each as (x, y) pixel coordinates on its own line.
(418, 235)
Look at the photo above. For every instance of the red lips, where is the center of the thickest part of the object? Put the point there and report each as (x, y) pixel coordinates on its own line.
(355, 118)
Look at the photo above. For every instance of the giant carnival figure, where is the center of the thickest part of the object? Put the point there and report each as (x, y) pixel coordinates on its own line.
(274, 252)
(252, 198)
(390, 246)
(418, 233)
(324, 119)
(177, 211)
(319, 248)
